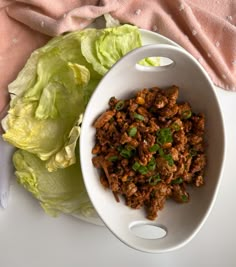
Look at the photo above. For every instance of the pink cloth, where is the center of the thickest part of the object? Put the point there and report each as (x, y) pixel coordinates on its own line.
(206, 28)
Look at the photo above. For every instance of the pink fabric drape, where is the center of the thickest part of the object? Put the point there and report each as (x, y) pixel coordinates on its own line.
(205, 28)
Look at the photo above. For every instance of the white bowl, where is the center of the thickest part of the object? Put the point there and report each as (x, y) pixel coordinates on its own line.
(179, 223)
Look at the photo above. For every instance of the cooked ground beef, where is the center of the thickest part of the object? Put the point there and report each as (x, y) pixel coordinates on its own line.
(149, 148)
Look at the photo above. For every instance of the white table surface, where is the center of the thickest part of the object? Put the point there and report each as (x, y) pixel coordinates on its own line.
(37, 240)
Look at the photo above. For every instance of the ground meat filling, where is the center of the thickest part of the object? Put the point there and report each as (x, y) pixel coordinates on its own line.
(149, 148)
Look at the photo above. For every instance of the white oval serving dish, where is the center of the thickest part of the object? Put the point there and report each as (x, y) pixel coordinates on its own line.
(179, 223)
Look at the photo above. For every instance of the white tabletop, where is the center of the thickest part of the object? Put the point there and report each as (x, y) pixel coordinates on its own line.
(37, 240)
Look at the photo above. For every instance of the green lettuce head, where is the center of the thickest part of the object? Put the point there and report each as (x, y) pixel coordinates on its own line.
(48, 99)
(50, 94)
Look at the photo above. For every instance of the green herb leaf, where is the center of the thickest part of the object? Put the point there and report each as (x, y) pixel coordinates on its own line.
(177, 181)
(132, 131)
(136, 166)
(113, 158)
(186, 114)
(161, 152)
(169, 159)
(120, 148)
(153, 180)
(129, 147)
(184, 198)
(126, 153)
(143, 169)
(175, 126)
(120, 105)
(154, 148)
(164, 135)
(138, 117)
(152, 164)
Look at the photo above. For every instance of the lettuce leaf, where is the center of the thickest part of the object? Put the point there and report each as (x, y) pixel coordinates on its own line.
(41, 122)
(102, 49)
(59, 191)
(48, 99)
(51, 92)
